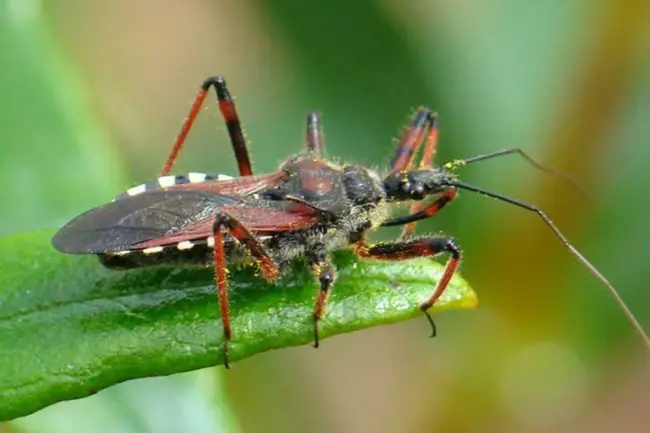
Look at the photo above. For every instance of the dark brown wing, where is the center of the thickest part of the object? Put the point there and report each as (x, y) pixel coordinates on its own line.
(121, 224)
(258, 220)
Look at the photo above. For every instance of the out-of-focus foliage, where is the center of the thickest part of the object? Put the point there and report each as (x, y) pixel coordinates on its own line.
(567, 81)
(48, 122)
(56, 160)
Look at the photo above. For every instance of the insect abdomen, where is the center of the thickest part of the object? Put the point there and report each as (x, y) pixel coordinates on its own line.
(188, 253)
(170, 181)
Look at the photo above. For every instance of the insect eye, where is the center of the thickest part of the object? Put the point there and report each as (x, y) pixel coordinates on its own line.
(417, 191)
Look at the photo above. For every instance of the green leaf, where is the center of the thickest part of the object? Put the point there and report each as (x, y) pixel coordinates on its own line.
(69, 327)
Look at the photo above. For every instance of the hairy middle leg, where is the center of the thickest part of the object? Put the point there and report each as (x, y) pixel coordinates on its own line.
(422, 247)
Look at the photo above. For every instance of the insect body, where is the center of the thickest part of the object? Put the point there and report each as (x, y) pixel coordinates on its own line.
(307, 209)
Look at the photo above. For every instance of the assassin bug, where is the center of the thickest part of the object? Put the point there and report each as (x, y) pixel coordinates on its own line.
(307, 209)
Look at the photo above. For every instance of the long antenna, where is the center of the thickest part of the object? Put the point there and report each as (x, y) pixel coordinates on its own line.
(548, 170)
(592, 269)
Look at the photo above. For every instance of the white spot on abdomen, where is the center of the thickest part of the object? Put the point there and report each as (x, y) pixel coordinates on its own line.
(197, 177)
(152, 250)
(137, 189)
(167, 181)
(185, 245)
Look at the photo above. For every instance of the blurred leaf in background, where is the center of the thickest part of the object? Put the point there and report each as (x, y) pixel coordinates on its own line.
(58, 159)
(56, 155)
(548, 350)
(185, 402)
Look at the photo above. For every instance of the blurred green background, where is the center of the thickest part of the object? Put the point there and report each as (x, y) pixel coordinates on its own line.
(93, 94)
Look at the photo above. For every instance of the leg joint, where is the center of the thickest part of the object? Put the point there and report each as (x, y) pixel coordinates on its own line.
(221, 220)
(449, 245)
(218, 82)
(326, 279)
